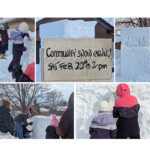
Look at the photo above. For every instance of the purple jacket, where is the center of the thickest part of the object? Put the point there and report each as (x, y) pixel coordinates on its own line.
(17, 36)
(103, 126)
(4, 36)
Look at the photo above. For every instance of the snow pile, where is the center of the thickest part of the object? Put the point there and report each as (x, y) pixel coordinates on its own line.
(135, 55)
(29, 55)
(39, 126)
(6, 136)
(88, 97)
(65, 29)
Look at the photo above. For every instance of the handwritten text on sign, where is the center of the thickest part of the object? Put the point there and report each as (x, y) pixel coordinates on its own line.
(77, 59)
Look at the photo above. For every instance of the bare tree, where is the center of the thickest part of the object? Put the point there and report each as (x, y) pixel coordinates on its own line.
(22, 95)
(131, 22)
(55, 99)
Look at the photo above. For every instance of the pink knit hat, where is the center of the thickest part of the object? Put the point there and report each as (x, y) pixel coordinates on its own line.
(54, 122)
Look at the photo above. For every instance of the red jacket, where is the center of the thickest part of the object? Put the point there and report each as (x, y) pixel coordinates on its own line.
(125, 99)
(30, 71)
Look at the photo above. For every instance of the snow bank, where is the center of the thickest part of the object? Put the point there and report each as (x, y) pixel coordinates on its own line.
(40, 124)
(88, 97)
(65, 29)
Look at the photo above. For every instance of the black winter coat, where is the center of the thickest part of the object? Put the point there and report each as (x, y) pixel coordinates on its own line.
(6, 120)
(51, 133)
(66, 124)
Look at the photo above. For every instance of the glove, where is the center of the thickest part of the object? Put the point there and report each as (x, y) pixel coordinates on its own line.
(27, 34)
(9, 38)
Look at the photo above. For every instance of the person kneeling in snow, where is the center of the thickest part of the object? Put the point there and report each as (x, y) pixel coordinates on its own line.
(18, 44)
(6, 120)
(103, 125)
(4, 41)
(51, 130)
(126, 110)
(20, 120)
(27, 76)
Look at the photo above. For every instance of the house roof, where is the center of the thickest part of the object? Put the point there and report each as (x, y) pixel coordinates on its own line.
(99, 20)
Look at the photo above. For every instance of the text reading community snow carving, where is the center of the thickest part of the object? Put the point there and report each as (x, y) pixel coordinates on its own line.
(74, 56)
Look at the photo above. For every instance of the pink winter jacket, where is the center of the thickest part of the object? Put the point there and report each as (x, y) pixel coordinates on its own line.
(125, 99)
(30, 71)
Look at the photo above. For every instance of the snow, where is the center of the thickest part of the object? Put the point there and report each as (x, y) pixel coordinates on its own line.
(6, 136)
(62, 108)
(44, 110)
(64, 29)
(39, 126)
(109, 20)
(27, 58)
(29, 55)
(88, 97)
(133, 63)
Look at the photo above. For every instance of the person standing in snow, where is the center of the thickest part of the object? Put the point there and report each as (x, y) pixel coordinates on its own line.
(66, 124)
(103, 125)
(6, 120)
(17, 37)
(51, 130)
(4, 41)
(126, 110)
(20, 120)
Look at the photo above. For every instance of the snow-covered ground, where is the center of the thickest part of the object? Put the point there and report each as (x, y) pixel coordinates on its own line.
(6, 136)
(27, 58)
(88, 97)
(40, 124)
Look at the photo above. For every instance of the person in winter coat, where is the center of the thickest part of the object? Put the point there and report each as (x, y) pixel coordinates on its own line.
(51, 130)
(6, 120)
(18, 44)
(103, 125)
(66, 124)
(4, 41)
(126, 110)
(20, 120)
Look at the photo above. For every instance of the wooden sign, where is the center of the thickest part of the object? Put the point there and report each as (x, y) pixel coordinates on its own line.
(77, 60)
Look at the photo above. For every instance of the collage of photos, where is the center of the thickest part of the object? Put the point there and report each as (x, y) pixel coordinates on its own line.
(74, 78)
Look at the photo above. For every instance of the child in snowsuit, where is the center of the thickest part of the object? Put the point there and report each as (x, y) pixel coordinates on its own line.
(103, 125)
(4, 41)
(126, 110)
(51, 129)
(18, 44)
